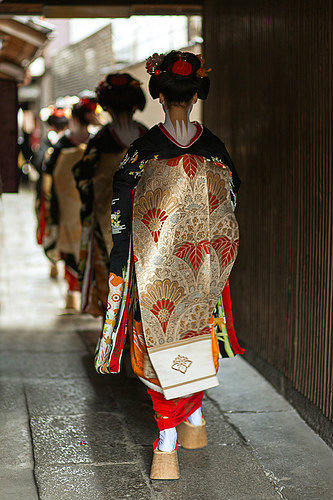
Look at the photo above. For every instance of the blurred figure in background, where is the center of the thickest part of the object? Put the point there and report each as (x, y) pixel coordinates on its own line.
(57, 123)
(26, 125)
(62, 233)
(119, 95)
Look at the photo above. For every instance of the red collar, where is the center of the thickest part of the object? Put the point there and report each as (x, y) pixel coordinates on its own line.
(194, 138)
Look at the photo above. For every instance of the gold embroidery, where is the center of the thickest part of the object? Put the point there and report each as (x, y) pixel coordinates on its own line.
(180, 274)
(181, 364)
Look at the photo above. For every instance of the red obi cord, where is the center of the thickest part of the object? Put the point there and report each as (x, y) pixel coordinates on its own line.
(172, 412)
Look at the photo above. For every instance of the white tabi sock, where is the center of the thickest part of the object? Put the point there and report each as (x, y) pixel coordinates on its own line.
(167, 439)
(196, 417)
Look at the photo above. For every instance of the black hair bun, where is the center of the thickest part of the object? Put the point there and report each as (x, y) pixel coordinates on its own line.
(58, 119)
(177, 79)
(120, 92)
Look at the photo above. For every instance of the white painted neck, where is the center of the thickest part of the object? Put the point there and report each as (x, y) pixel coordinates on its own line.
(182, 131)
(126, 129)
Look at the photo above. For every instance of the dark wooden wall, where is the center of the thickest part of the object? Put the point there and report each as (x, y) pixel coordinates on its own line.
(9, 173)
(271, 102)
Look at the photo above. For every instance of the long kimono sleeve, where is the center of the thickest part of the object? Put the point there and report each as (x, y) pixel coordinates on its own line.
(110, 345)
(125, 180)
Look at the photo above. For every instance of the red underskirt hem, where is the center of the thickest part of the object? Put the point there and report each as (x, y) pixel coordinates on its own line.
(170, 413)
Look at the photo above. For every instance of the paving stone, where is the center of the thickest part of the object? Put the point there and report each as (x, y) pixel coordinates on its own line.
(47, 365)
(102, 437)
(291, 453)
(10, 367)
(15, 441)
(128, 389)
(139, 418)
(218, 429)
(69, 397)
(106, 482)
(89, 337)
(17, 484)
(255, 395)
(12, 398)
(77, 322)
(45, 340)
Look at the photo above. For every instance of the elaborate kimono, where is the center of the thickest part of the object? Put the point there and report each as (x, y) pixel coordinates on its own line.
(63, 226)
(94, 179)
(175, 241)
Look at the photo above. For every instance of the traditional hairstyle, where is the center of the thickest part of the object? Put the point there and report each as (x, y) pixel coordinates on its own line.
(83, 109)
(120, 92)
(58, 119)
(178, 76)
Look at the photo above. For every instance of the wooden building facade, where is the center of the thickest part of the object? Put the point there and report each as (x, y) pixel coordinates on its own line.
(271, 102)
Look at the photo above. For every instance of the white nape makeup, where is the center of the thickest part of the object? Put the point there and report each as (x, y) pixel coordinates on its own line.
(126, 130)
(182, 131)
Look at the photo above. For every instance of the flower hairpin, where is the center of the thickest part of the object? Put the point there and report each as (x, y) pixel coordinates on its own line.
(202, 72)
(153, 62)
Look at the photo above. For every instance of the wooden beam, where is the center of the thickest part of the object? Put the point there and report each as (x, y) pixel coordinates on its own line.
(102, 8)
(190, 9)
(12, 9)
(85, 11)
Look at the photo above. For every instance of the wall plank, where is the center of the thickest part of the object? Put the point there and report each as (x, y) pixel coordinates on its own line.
(9, 173)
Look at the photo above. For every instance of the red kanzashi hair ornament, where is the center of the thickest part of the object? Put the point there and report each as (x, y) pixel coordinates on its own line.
(181, 67)
(88, 103)
(58, 112)
(153, 62)
(202, 72)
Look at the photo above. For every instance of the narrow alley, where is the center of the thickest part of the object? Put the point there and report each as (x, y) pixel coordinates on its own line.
(67, 433)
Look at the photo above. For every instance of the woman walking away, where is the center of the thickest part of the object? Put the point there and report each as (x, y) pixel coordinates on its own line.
(120, 95)
(175, 241)
(63, 227)
(57, 123)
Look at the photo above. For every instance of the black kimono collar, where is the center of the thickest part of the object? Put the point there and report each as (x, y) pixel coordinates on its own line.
(192, 141)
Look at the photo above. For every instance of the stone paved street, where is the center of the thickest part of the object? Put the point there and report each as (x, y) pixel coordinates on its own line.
(67, 433)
